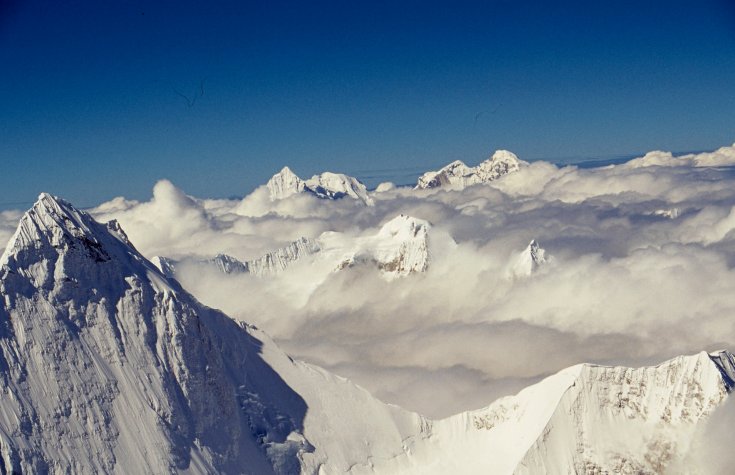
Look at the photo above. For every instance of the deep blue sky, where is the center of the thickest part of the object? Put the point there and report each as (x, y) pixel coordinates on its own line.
(89, 103)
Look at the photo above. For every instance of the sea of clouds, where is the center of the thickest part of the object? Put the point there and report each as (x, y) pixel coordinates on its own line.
(640, 269)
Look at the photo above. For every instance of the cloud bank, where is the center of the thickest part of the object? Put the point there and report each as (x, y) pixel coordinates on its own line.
(640, 268)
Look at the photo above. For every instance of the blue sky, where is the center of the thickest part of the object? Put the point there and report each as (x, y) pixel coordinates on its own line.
(92, 104)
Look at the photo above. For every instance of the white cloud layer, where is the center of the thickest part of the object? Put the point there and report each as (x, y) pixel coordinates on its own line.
(640, 268)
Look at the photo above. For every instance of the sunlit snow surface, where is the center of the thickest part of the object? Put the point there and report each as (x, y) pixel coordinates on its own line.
(634, 255)
(636, 267)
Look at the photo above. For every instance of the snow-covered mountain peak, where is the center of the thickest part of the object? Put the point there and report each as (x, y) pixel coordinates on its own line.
(400, 247)
(505, 156)
(50, 213)
(457, 167)
(50, 225)
(63, 251)
(537, 254)
(528, 261)
(327, 185)
(501, 163)
(330, 185)
(284, 184)
(458, 175)
(448, 175)
(630, 420)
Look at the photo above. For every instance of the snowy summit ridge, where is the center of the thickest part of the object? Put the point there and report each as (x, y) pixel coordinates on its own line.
(398, 249)
(327, 185)
(459, 175)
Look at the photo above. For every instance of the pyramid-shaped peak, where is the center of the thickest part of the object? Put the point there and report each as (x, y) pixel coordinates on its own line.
(284, 183)
(528, 261)
(47, 221)
(59, 246)
(53, 206)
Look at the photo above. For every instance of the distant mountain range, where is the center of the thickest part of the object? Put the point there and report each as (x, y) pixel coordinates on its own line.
(399, 248)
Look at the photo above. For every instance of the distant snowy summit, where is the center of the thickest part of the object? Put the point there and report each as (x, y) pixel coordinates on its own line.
(398, 249)
(528, 261)
(327, 185)
(459, 175)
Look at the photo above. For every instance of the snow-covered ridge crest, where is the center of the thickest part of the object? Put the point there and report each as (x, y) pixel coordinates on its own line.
(399, 248)
(625, 420)
(44, 225)
(271, 263)
(584, 419)
(459, 175)
(327, 185)
(54, 240)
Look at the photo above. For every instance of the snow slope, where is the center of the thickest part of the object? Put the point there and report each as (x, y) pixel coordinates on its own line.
(327, 185)
(622, 420)
(585, 419)
(458, 175)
